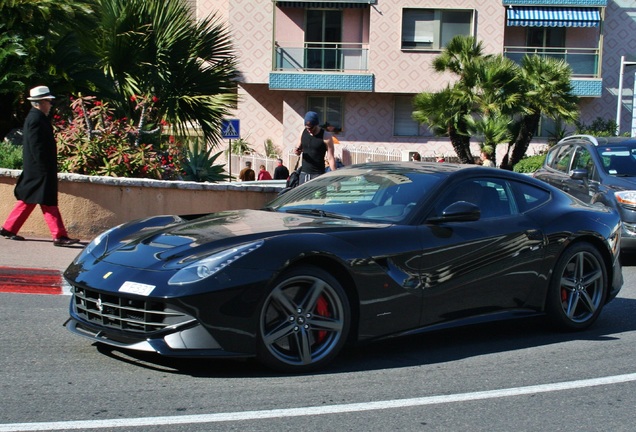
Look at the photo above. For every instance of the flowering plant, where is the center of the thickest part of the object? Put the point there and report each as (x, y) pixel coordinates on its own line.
(92, 141)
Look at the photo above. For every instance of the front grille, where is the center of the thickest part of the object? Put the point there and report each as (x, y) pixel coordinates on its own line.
(116, 312)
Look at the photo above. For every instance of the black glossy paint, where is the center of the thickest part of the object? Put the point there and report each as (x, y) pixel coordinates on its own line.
(400, 277)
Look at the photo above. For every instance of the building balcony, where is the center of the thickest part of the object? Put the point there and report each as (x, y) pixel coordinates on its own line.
(583, 61)
(321, 66)
(586, 74)
(322, 57)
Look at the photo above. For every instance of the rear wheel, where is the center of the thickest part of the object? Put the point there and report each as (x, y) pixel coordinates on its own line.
(578, 288)
(304, 321)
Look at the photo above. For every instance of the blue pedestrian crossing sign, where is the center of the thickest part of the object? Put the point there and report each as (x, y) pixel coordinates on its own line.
(230, 129)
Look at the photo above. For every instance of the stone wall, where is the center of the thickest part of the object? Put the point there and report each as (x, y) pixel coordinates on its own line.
(90, 205)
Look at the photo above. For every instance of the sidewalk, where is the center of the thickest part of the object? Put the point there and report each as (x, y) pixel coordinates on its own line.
(35, 266)
(37, 253)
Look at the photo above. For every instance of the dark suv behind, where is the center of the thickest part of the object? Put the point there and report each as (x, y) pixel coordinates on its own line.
(597, 169)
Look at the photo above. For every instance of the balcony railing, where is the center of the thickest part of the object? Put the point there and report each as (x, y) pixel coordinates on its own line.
(583, 61)
(322, 56)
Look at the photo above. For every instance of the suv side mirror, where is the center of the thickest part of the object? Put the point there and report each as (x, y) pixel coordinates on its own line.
(579, 174)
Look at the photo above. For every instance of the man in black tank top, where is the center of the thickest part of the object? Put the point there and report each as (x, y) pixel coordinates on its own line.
(315, 143)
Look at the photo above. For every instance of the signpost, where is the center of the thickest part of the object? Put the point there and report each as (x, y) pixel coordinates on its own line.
(230, 129)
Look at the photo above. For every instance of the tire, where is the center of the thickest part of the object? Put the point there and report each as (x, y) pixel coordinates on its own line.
(578, 288)
(304, 321)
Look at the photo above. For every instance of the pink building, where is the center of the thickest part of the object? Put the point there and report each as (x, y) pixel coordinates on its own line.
(359, 62)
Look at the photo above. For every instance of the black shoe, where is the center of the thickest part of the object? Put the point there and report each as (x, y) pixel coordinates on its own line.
(8, 234)
(65, 241)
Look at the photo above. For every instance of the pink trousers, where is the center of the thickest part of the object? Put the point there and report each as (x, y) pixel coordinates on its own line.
(21, 212)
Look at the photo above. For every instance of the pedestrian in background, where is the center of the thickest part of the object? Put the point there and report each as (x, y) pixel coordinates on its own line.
(37, 183)
(280, 172)
(485, 160)
(315, 143)
(263, 174)
(247, 173)
(331, 128)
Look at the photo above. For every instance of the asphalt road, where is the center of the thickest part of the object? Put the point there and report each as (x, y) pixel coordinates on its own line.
(503, 376)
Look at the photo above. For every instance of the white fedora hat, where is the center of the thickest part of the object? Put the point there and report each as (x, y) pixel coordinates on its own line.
(40, 93)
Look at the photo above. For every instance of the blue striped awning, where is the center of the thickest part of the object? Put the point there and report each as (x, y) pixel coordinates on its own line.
(329, 4)
(553, 17)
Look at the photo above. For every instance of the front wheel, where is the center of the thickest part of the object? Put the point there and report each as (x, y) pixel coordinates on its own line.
(304, 321)
(578, 288)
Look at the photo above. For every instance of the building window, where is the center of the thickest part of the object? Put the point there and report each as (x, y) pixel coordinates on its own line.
(323, 35)
(403, 123)
(330, 109)
(433, 28)
(546, 37)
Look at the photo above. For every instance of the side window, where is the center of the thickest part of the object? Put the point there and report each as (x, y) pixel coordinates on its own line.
(528, 197)
(492, 196)
(560, 158)
(583, 160)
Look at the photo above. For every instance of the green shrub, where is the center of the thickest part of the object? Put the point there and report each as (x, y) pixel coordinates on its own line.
(241, 146)
(91, 141)
(199, 165)
(598, 127)
(529, 164)
(10, 155)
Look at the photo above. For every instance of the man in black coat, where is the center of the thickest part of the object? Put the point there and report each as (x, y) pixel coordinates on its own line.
(38, 182)
(280, 172)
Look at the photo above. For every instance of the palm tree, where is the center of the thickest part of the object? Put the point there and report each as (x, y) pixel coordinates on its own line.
(446, 111)
(458, 55)
(443, 113)
(36, 37)
(545, 82)
(493, 129)
(156, 49)
(495, 97)
(494, 85)
(480, 102)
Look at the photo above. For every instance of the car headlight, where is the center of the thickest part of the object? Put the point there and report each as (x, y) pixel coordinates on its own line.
(626, 197)
(212, 264)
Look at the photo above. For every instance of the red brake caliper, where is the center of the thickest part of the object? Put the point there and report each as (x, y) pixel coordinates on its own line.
(322, 309)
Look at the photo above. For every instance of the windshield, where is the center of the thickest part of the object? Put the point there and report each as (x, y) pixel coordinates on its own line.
(618, 160)
(359, 193)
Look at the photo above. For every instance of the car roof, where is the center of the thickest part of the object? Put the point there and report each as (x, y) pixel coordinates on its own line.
(599, 141)
(414, 166)
(441, 169)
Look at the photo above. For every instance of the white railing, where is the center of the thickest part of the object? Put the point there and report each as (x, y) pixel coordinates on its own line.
(237, 163)
(355, 155)
(585, 62)
(352, 155)
(321, 56)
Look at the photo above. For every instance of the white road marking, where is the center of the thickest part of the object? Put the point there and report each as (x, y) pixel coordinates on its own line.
(66, 287)
(312, 411)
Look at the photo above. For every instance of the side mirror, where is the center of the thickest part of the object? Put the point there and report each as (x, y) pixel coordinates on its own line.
(578, 174)
(460, 211)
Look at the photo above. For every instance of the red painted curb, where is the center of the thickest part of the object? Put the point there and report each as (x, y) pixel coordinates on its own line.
(30, 281)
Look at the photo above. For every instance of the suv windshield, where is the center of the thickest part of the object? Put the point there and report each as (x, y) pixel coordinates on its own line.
(618, 160)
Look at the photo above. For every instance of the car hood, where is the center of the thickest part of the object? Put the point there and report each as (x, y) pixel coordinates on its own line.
(153, 247)
(622, 183)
